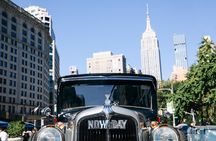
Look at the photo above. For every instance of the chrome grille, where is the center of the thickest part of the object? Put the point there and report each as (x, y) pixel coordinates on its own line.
(128, 134)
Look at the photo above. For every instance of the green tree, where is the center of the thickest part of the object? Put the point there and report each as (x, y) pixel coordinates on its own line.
(165, 92)
(198, 92)
(15, 129)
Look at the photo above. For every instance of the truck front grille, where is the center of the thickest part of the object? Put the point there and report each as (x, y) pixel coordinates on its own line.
(128, 134)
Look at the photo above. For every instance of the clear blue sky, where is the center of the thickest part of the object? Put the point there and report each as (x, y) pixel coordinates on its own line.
(86, 26)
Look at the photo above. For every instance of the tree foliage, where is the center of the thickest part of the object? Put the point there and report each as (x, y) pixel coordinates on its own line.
(15, 129)
(198, 92)
(165, 92)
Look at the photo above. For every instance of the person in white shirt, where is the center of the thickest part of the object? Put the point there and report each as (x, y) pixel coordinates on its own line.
(3, 135)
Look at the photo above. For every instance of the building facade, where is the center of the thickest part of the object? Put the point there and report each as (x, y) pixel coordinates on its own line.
(180, 67)
(180, 49)
(24, 62)
(106, 62)
(130, 69)
(54, 60)
(150, 52)
(178, 74)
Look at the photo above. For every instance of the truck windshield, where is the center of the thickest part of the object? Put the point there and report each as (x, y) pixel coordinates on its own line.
(90, 94)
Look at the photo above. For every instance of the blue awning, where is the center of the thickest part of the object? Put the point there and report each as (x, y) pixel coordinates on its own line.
(29, 125)
(3, 124)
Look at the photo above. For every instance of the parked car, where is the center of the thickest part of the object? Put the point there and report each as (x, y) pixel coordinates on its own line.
(106, 107)
(202, 133)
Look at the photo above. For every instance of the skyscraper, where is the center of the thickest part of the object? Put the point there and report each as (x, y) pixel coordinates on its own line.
(106, 62)
(54, 60)
(181, 64)
(180, 49)
(150, 53)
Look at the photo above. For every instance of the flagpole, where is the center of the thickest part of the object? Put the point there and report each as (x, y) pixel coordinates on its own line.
(34, 111)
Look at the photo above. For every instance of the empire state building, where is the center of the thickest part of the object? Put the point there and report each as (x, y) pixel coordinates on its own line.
(150, 53)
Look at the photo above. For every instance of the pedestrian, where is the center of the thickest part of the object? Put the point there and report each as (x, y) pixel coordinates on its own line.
(33, 132)
(3, 134)
(26, 135)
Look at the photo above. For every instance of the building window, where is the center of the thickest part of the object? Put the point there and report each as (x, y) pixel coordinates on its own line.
(9, 107)
(1, 80)
(1, 63)
(39, 41)
(25, 47)
(39, 34)
(47, 24)
(3, 72)
(32, 43)
(4, 14)
(13, 42)
(32, 30)
(3, 38)
(13, 19)
(39, 47)
(24, 25)
(4, 30)
(3, 46)
(47, 19)
(14, 92)
(13, 27)
(5, 64)
(32, 37)
(10, 91)
(24, 32)
(13, 34)
(4, 99)
(4, 22)
(13, 108)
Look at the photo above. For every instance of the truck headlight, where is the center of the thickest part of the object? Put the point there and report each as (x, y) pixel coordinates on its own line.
(165, 133)
(49, 133)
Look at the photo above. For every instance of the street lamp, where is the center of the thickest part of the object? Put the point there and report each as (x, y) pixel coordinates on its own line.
(193, 116)
(168, 89)
(172, 111)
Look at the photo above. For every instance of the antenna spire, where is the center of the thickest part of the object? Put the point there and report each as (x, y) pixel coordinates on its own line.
(148, 25)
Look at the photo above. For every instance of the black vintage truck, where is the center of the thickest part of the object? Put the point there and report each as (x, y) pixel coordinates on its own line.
(107, 107)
